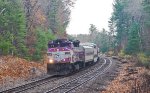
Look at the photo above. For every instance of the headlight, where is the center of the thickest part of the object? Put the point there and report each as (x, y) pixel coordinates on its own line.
(51, 61)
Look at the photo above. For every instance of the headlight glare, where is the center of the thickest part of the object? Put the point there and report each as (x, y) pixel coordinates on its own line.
(51, 61)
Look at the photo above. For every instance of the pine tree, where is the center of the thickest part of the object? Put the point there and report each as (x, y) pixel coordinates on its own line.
(59, 15)
(93, 32)
(133, 46)
(102, 40)
(121, 21)
(12, 27)
(40, 46)
(146, 7)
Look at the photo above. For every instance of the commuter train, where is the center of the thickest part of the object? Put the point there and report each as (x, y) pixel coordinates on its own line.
(66, 56)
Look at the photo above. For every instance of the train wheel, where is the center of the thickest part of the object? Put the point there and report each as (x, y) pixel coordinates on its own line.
(98, 59)
(71, 68)
(83, 65)
(95, 59)
(77, 67)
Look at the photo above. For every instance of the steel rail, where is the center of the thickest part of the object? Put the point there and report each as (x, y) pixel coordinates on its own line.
(80, 80)
(40, 82)
(27, 85)
(93, 77)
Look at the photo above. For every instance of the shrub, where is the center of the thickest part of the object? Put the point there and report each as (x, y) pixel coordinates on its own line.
(129, 57)
(144, 60)
(43, 37)
(121, 54)
(110, 53)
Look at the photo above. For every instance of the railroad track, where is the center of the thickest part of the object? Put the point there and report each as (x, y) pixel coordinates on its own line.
(30, 85)
(75, 83)
(43, 81)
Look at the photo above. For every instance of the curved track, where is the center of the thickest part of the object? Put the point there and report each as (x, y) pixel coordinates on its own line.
(66, 87)
(30, 85)
(75, 83)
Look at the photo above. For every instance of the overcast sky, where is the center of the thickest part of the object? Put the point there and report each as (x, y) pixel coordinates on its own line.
(86, 12)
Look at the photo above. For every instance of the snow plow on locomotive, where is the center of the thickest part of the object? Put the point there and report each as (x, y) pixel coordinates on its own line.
(66, 56)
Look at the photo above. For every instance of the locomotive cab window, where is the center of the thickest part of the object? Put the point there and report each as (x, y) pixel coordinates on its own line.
(76, 43)
(65, 44)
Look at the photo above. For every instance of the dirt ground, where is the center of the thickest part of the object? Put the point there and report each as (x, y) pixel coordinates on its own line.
(123, 76)
(13, 68)
(129, 78)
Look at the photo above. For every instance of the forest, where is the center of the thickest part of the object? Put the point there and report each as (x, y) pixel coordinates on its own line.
(130, 26)
(129, 31)
(27, 25)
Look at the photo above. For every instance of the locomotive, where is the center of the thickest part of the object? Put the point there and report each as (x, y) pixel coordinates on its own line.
(66, 56)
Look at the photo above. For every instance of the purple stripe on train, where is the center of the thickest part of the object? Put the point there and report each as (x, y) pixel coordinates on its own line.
(65, 60)
(58, 49)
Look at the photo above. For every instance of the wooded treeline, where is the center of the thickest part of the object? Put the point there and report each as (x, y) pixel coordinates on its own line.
(129, 30)
(102, 38)
(130, 21)
(27, 25)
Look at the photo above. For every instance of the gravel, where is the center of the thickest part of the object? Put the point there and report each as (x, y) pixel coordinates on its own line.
(95, 86)
(100, 83)
(10, 83)
(53, 84)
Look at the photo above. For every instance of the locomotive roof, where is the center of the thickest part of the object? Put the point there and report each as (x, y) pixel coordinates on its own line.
(63, 41)
(87, 44)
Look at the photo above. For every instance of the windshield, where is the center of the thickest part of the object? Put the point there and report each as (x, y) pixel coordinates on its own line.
(59, 45)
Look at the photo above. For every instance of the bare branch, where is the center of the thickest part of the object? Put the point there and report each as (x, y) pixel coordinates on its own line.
(2, 11)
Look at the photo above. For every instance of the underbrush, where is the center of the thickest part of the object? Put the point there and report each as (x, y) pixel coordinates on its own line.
(124, 56)
(143, 60)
